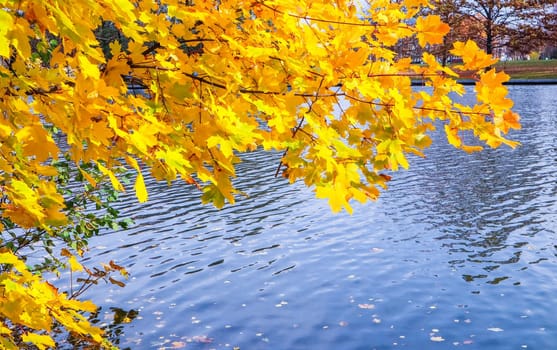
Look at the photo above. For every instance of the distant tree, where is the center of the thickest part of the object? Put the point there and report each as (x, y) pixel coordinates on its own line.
(450, 12)
(551, 29)
(519, 25)
(515, 26)
(549, 52)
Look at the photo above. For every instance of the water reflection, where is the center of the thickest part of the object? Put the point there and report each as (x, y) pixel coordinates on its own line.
(460, 247)
(486, 205)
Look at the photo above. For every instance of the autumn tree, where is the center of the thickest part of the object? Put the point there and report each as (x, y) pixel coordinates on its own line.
(185, 89)
(518, 25)
(550, 24)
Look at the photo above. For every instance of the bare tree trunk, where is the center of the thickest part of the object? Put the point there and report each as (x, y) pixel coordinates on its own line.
(489, 36)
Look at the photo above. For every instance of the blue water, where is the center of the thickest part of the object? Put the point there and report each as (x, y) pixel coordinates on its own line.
(461, 251)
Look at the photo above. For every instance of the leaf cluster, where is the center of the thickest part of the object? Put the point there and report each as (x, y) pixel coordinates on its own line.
(36, 307)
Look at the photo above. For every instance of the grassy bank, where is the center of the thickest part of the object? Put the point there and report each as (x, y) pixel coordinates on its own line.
(533, 69)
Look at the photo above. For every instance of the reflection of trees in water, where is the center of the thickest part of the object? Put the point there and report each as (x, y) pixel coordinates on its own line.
(482, 209)
(487, 204)
(115, 329)
(112, 322)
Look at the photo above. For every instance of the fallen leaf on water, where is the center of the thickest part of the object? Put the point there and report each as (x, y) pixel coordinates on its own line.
(366, 306)
(437, 338)
(202, 339)
(178, 345)
(495, 329)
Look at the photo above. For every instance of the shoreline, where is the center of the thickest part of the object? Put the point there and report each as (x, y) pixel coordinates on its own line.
(549, 81)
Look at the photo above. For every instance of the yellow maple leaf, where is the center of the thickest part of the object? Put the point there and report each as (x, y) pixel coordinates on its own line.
(493, 79)
(397, 155)
(88, 68)
(115, 182)
(512, 119)
(430, 30)
(6, 22)
(474, 58)
(336, 197)
(41, 341)
(74, 264)
(139, 187)
(115, 48)
(471, 149)
(452, 136)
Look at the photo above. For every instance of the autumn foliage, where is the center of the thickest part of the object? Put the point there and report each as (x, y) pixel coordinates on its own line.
(187, 87)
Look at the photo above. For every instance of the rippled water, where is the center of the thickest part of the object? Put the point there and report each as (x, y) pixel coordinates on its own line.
(460, 252)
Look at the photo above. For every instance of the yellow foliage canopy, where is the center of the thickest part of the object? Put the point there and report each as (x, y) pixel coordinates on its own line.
(28, 301)
(318, 80)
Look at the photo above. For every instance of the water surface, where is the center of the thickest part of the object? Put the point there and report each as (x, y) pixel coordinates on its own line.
(459, 252)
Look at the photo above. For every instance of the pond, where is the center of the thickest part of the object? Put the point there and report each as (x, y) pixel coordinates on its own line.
(461, 251)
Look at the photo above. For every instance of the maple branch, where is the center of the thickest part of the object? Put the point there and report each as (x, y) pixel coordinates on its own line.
(307, 18)
(316, 96)
(150, 66)
(299, 126)
(255, 92)
(35, 91)
(203, 80)
(195, 40)
(431, 109)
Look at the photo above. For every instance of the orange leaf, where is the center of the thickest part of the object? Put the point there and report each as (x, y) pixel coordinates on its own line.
(431, 30)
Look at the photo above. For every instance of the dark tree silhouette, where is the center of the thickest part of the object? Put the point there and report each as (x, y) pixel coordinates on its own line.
(517, 25)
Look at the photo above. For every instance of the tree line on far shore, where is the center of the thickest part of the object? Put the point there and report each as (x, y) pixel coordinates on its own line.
(507, 29)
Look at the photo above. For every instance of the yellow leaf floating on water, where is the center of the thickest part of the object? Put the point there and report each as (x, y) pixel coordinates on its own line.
(178, 344)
